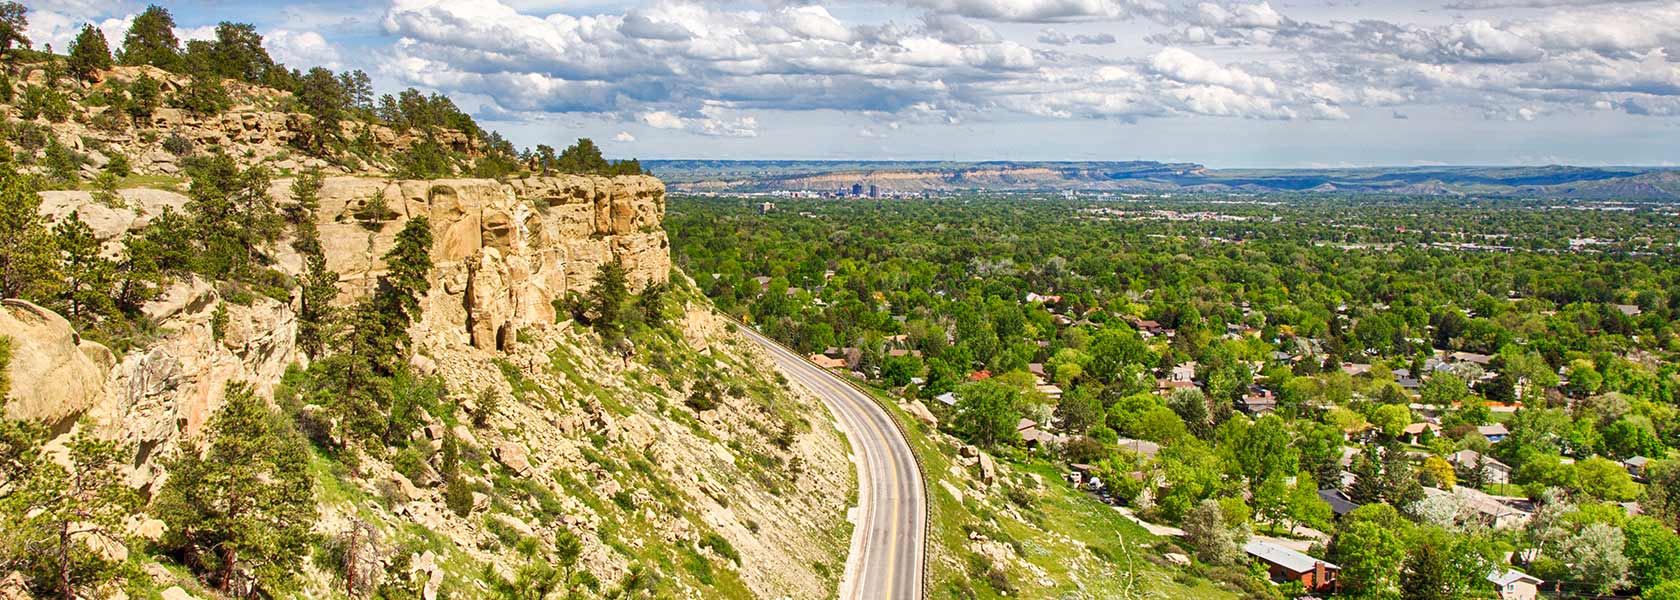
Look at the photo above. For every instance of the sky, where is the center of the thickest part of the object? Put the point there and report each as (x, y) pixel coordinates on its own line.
(1225, 83)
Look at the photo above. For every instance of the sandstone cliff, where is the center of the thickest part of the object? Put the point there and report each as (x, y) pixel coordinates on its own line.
(584, 439)
(504, 251)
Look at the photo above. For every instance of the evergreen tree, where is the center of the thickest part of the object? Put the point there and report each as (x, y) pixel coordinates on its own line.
(138, 274)
(319, 285)
(244, 505)
(14, 20)
(85, 295)
(89, 53)
(28, 258)
(1367, 486)
(204, 95)
(57, 511)
(238, 53)
(151, 40)
(233, 216)
(607, 297)
(144, 96)
(322, 96)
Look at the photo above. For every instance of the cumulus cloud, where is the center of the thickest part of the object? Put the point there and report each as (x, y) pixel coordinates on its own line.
(1041, 11)
(711, 121)
(711, 69)
(624, 137)
(1057, 38)
(301, 49)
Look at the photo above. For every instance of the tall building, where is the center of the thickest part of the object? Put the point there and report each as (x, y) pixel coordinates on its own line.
(857, 189)
(874, 192)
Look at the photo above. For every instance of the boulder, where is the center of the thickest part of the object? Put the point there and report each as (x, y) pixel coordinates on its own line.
(56, 376)
(988, 469)
(426, 566)
(148, 529)
(921, 412)
(405, 488)
(512, 455)
(176, 593)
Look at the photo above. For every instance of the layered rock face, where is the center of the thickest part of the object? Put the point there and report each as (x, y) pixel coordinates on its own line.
(56, 376)
(504, 252)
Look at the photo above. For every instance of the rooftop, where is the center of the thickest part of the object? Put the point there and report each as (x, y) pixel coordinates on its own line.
(1284, 557)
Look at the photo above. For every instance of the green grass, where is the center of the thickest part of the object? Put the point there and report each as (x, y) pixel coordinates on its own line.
(1093, 530)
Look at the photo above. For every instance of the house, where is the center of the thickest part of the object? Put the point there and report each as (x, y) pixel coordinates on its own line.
(1051, 391)
(1035, 298)
(1356, 369)
(1339, 502)
(1257, 401)
(1183, 372)
(1472, 357)
(979, 375)
(1414, 432)
(825, 362)
(1037, 370)
(1636, 466)
(947, 398)
(1511, 584)
(1494, 432)
(1498, 512)
(1150, 328)
(1406, 380)
(763, 283)
(1631, 310)
(1033, 436)
(1285, 565)
(1493, 471)
(900, 352)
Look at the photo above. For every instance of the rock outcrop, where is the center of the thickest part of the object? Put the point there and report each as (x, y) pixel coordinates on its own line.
(56, 376)
(504, 252)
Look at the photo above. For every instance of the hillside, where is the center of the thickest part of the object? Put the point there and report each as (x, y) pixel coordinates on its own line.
(449, 411)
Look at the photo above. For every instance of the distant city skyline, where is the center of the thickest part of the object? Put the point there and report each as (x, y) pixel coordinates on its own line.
(1225, 83)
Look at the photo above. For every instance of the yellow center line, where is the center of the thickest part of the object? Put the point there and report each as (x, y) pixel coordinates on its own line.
(850, 396)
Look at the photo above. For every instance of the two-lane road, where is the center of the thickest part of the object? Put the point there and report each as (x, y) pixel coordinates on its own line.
(887, 542)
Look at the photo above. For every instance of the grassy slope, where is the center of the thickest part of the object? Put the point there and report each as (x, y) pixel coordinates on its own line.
(1085, 548)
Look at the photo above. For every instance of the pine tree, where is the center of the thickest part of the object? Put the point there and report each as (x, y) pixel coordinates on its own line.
(14, 20)
(86, 292)
(55, 507)
(397, 299)
(28, 258)
(89, 53)
(607, 297)
(319, 285)
(151, 40)
(1367, 486)
(145, 95)
(233, 216)
(246, 504)
(138, 274)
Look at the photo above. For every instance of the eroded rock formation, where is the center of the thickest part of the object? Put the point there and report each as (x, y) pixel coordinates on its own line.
(504, 252)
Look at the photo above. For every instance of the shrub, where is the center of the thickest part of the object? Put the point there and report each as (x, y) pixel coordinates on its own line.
(45, 102)
(64, 166)
(488, 404)
(458, 497)
(219, 322)
(119, 165)
(177, 144)
(105, 190)
(720, 546)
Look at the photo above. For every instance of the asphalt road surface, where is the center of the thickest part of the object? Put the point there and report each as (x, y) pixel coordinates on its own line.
(887, 542)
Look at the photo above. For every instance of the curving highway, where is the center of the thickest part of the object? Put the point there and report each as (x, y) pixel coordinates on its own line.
(891, 515)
